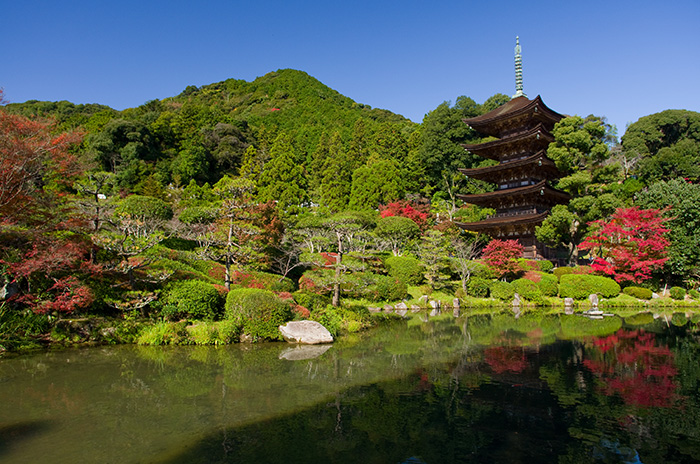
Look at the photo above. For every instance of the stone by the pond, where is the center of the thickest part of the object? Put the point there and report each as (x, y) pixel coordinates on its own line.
(422, 299)
(655, 295)
(415, 308)
(434, 312)
(568, 301)
(401, 305)
(434, 304)
(516, 300)
(305, 332)
(455, 303)
(301, 352)
(593, 298)
(388, 308)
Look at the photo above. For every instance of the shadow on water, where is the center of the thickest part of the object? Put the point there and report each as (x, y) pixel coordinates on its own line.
(11, 434)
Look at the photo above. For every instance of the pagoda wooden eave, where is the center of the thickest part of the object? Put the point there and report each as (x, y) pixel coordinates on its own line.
(519, 108)
(498, 222)
(539, 189)
(538, 135)
(504, 169)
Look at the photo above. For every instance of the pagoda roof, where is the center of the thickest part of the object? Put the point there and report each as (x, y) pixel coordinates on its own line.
(489, 198)
(499, 222)
(494, 149)
(501, 170)
(493, 122)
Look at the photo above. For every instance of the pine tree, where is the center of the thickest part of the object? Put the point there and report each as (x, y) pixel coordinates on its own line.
(282, 180)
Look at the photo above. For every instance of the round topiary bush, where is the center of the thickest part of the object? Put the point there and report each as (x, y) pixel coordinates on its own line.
(388, 288)
(545, 265)
(694, 294)
(548, 284)
(528, 290)
(478, 287)
(638, 292)
(406, 268)
(579, 286)
(259, 311)
(502, 290)
(311, 301)
(677, 293)
(560, 271)
(192, 299)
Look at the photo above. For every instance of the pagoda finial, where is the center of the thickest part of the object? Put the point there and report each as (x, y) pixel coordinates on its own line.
(518, 70)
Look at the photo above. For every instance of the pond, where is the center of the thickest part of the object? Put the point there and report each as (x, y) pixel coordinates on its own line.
(443, 390)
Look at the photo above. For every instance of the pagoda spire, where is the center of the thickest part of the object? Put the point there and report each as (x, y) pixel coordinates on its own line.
(518, 70)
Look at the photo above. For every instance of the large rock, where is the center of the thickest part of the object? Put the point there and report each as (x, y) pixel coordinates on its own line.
(306, 332)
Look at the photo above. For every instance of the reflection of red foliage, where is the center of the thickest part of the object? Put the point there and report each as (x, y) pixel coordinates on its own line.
(504, 358)
(631, 365)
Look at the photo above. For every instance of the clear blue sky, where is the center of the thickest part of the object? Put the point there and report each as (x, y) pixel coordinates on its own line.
(619, 59)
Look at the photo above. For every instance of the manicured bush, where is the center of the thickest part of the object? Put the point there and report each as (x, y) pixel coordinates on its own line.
(638, 292)
(545, 265)
(677, 293)
(548, 284)
(560, 271)
(528, 289)
(329, 317)
(256, 279)
(579, 286)
(406, 268)
(478, 287)
(163, 333)
(260, 312)
(388, 288)
(192, 299)
(311, 301)
(694, 294)
(502, 290)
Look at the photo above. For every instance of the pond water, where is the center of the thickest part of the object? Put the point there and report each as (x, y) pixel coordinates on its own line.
(472, 389)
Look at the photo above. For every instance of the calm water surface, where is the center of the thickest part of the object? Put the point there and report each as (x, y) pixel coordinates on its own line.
(473, 389)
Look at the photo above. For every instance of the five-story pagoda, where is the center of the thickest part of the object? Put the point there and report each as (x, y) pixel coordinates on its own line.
(523, 197)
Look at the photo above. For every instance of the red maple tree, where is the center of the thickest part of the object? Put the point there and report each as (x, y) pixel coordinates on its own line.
(629, 246)
(416, 212)
(502, 256)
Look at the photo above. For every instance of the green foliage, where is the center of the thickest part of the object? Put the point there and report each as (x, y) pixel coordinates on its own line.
(311, 301)
(638, 292)
(545, 265)
(259, 312)
(329, 317)
(163, 333)
(579, 143)
(677, 293)
(265, 280)
(405, 268)
(192, 299)
(561, 271)
(580, 286)
(478, 287)
(694, 294)
(388, 288)
(20, 329)
(139, 207)
(639, 319)
(502, 290)
(548, 284)
(574, 326)
(398, 231)
(213, 333)
(377, 182)
(528, 289)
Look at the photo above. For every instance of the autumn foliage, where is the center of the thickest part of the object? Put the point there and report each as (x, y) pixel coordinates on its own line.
(630, 246)
(415, 212)
(502, 256)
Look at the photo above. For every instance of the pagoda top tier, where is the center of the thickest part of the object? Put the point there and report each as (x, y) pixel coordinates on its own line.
(518, 114)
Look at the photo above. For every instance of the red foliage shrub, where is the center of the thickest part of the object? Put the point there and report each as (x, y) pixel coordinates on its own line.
(301, 311)
(501, 256)
(416, 212)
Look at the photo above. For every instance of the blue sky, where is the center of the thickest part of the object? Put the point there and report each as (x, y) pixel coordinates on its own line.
(619, 59)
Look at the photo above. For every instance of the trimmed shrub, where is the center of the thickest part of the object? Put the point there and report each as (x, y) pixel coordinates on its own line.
(330, 318)
(528, 289)
(548, 284)
(579, 286)
(257, 279)
(502, 290)
(677, 293)
(311, 301)
(478, 287)
(638, 292)
(694, 294)
(163, 333)
(193, 299)
(406, 268)
(560, 271)
(260, 312)
(388, 288)
(545, 265)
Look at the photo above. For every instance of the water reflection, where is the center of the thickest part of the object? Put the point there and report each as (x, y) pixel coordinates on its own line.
(471, 389)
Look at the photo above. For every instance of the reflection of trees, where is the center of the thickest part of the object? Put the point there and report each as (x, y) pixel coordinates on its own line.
(633, 366)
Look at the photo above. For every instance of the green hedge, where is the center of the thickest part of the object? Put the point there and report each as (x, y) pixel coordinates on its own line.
(677, 293)
(502, 290)
(388, 288)
(192, 299)
(638, 292)
(545, 265)
(548, 284)
(478, 287)
(528, 289)
(260, 312)
(579, 286)
(561, 271)
(694, 294)
(311, 301)
(406, 268)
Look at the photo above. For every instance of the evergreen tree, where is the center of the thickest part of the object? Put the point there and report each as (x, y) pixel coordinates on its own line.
(282, 180)
(334, 191)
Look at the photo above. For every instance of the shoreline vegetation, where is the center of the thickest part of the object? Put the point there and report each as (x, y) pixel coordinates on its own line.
(218, 214)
